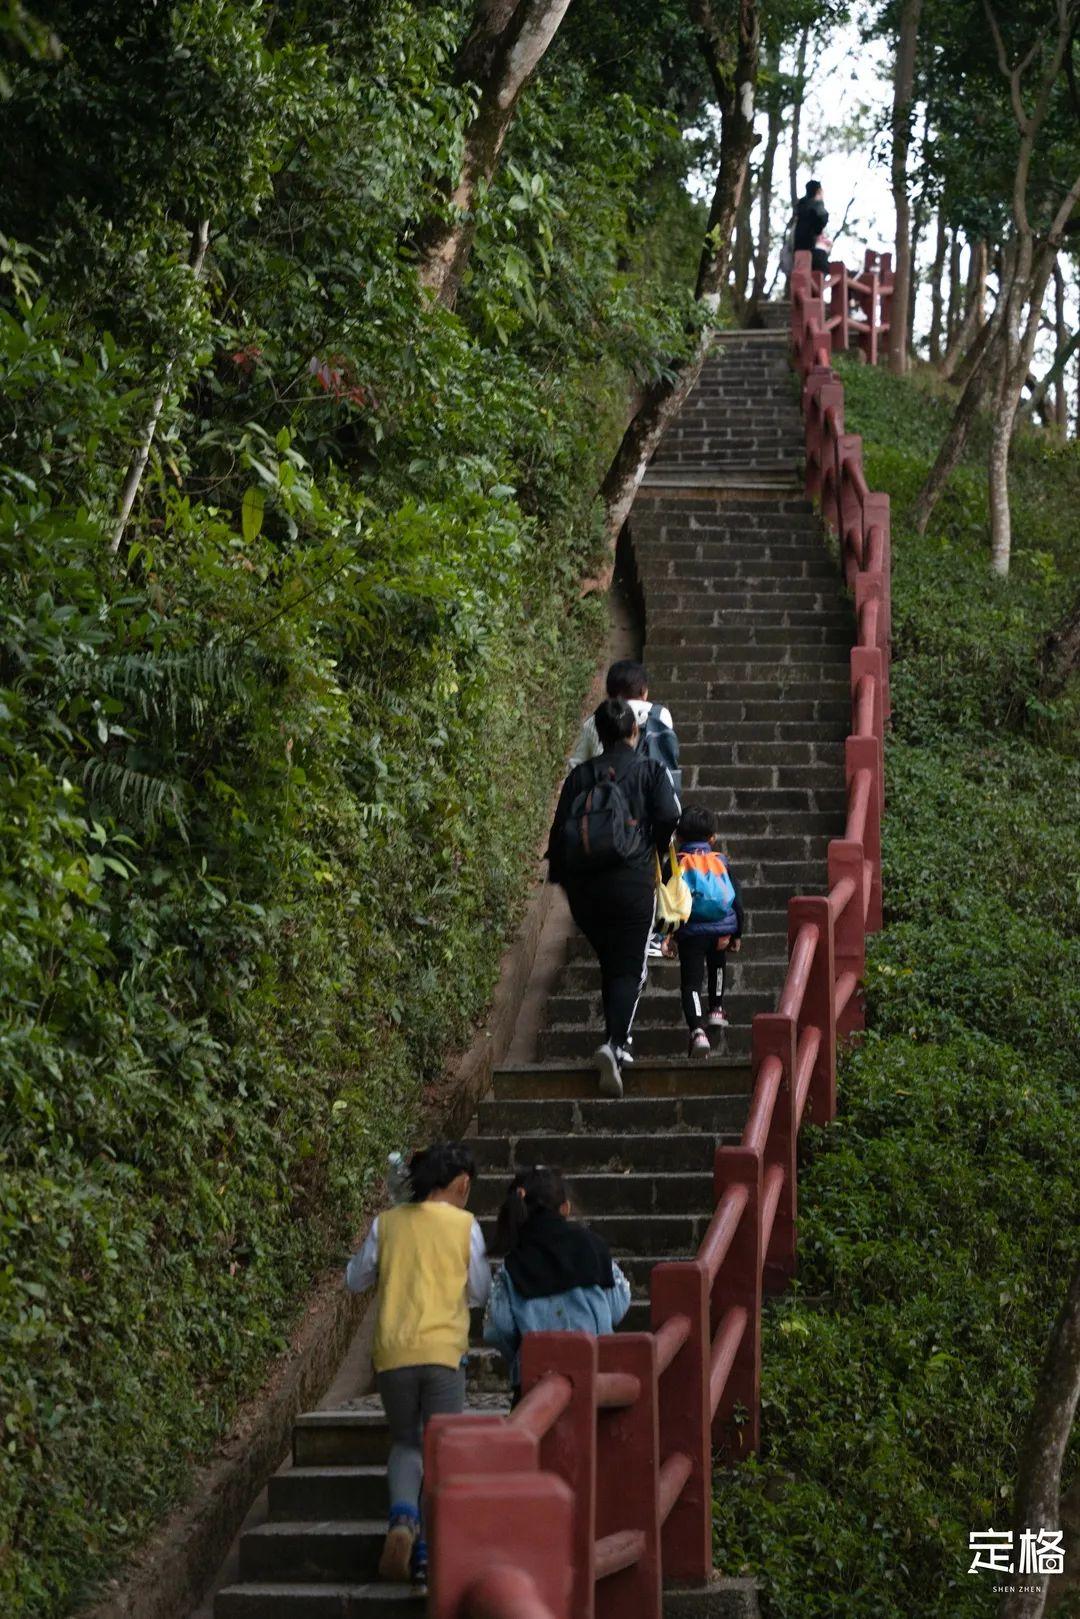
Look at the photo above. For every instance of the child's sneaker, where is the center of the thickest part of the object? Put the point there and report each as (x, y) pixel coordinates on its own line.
(656, 946)
(419, 1567)
(718, 1018)
(607, 1063)
(395, 1563)
(699, 1043)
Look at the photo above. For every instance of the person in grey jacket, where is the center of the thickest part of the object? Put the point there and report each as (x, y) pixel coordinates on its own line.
(558, 1276)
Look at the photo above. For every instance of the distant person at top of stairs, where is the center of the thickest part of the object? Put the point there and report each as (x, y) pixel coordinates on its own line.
(430, 1263)
(558, 1275)
(811, 217)
(714, 930)
(629, 680)
(613, 812)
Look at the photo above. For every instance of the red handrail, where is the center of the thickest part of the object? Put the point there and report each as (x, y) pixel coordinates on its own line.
(580, 1451)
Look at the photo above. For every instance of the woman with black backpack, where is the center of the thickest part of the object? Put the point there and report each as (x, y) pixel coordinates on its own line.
(614, 811)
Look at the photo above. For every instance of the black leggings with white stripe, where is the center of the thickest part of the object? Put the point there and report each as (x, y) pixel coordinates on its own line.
(699, 955)
(614, 910)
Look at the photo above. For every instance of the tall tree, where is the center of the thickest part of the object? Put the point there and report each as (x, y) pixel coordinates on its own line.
(903, 87)
(937, 298)
(501, 53)
(774, 89)
(797, 99)
(1061, 340)
(731, 53)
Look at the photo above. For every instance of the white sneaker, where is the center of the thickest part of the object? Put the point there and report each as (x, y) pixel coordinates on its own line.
(656, 948)
(717, 1018)
(699, 1043)
(607, 1063)
(625, 1056)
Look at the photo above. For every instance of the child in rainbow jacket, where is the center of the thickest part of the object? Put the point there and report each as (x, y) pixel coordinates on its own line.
(713, 931)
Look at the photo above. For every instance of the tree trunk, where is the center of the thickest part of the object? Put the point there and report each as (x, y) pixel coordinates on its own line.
(937, 299)
(974, 314)
(744, 250)
(1055, 377)
(139, 460)
(796, 116)
(1038, 1488)
(955, 441)
(956, 294)
(1001, 431)
(734, 81)
(903, 85)
(1061, 335)
(502, 52)
(734, 74)
(917, 224)
(1060, 653)
(765, 184)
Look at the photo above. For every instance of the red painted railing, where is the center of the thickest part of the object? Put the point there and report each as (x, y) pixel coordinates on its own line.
(598, 1486)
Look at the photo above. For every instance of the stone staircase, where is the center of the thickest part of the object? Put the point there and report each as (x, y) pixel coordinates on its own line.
(746, 637)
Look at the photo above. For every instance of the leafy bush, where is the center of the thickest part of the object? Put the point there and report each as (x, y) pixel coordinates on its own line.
(938, 1214)
(275, 773)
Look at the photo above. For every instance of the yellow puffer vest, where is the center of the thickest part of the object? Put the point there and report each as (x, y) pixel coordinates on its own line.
(423, 1272)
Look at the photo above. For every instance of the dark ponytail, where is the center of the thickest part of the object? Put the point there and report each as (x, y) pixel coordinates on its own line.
(436, 1166)
(537, 1188)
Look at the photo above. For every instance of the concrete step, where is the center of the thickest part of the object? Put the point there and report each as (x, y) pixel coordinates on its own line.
(738, 778)
(557, 1080)
(677, 1235)
(297, 1600)
(330, 1550)
(577, 1043)
(534, 1119)
(670, 1192)
(315, 1493)
(349, 1437)
(594, 1152)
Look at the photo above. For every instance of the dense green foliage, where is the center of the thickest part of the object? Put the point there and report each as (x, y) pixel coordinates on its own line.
(938, 1215)
(274, 774)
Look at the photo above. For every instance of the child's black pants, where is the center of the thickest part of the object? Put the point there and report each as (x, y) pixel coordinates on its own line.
(698, 956)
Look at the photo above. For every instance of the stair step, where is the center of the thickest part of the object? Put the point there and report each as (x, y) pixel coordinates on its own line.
(595, 1152)
(675, 1234)
(352, 1437)
(653, 1040)
(330, 1550)
(667, 1192)
(559, 1081)
(315, 1493)
(532, 1120)
(289, 1600)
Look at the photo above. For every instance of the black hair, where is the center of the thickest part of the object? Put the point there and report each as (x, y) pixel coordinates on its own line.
(435, 1167)
(813, 187)
(627, 678)
(540, 1187)
(696, 824)
(615, 721)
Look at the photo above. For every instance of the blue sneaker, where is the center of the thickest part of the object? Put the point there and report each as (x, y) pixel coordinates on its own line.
(395, 1563)
(419, 1565)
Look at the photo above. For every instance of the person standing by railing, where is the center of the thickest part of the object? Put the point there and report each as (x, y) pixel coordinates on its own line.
(811, 218)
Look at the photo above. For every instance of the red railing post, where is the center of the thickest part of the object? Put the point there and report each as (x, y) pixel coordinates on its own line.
(773, 1035)
(518, 1522)
(821, 393)
(850, 514)
(736, 1426)
(817, 1009)
(864, 753)
(681, 1288)
(569, 1447)
(847, 859)
(627, 1480)
(838, 305)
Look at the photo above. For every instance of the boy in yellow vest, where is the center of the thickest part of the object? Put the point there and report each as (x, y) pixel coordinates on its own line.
(429, 1260)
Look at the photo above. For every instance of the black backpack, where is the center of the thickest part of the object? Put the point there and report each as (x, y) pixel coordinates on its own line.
(599, 833)
(658, 741)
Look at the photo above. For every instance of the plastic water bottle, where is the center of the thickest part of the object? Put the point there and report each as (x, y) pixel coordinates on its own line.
(397, 1176)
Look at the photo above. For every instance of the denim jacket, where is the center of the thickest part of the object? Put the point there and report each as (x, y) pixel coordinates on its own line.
(581, 1309)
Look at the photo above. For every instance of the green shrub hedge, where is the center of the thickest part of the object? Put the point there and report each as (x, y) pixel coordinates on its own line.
(939, 1214)
(274, 776)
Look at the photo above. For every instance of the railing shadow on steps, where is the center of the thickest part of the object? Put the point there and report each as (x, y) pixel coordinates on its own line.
(596, 1489)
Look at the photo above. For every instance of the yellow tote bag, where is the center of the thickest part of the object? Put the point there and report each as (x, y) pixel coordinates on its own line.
(674, 900)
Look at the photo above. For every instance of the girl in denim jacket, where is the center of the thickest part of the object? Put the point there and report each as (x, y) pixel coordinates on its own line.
(558, 1276)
